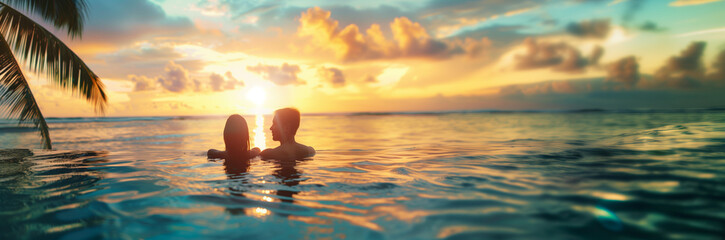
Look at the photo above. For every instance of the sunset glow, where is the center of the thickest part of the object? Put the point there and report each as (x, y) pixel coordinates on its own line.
(362, 119)
(260, 140)
(181, 57)
(257, 95)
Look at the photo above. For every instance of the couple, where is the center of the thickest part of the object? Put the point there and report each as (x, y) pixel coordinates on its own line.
(284, 127)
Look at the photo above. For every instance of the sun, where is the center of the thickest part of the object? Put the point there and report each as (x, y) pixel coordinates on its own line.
(257, 95)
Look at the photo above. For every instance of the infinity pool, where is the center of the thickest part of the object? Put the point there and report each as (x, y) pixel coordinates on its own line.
(396, 176)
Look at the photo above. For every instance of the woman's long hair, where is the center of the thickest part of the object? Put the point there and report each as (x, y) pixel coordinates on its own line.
(236, 137)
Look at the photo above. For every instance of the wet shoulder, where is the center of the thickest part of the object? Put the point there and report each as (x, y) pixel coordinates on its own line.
(304, 151)
(310, 151)
(271, 152)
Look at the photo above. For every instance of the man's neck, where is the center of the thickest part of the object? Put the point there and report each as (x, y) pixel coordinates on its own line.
(287, 141)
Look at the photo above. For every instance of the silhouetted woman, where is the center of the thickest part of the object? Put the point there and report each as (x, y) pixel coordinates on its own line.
(236, 142)
(236, 155)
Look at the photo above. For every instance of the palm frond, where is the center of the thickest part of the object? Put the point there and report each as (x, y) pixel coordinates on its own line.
(15, 94)
(43, 52)
(67, 14)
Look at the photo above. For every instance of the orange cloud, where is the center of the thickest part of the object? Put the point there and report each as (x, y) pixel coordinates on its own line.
(518, 11)
(680, 3)
(410, 39)
(142, 83)
(333, 76)
(176, 78)
(462, 22)
(280, 75)
(218, 84)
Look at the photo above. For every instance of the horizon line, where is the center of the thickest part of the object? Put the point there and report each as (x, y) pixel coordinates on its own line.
(422, 112)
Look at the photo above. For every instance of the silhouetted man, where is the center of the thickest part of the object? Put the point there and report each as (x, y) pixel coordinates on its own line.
(284, 127)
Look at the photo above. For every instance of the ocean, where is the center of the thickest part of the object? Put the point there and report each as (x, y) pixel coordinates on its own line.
(588, 174)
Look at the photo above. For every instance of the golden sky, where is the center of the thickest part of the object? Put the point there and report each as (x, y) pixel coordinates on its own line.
(204, 57)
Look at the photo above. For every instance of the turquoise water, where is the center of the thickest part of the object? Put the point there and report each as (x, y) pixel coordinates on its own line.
(592, 175)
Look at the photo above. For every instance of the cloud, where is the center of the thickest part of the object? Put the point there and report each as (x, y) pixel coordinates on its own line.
(371, 79)
(410, 39)
(448, 18)
(333, 76)
(198, 86)
(178, 105)
(548, 87)
(284, 17)
(236, 9)
(702, 32)
(142, 53)
(218, 84)
(597, 54)
(124, 22)
(685, 70)
(232, 82)
(446, 13)
(280, 75)
(719, 67)
(142, 83)
(500, 36)
(596, 28)
(211, 8)
(632, 8)
(681, 3)
(176, 79)
(216, 81)
(451, 27)
(560, 56)
(600, 93)
(650, 26)
(625, 70)
(146, 59)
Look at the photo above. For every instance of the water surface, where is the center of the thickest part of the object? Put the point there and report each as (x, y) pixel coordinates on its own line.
(593, 175)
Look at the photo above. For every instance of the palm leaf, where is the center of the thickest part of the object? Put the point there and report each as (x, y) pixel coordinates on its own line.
(67, 14)
(43, 52)
(15, 95)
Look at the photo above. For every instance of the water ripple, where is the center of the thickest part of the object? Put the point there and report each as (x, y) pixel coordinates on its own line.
(480, 176)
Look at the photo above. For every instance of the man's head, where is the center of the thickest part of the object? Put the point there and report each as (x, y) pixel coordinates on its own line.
(285, 124)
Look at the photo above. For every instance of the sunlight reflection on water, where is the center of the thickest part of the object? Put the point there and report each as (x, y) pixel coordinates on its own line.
(260, 140)
(459, 176)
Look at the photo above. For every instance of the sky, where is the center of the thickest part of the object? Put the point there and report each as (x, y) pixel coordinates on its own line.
(219, 57)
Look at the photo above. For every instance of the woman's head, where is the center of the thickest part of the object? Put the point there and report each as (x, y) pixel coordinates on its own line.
(236, 135)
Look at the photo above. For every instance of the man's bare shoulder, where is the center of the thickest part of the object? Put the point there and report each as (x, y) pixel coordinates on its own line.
(289, 152)
(271, 152)
(305, 150)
